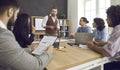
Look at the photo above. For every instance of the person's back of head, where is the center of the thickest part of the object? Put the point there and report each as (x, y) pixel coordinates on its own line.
(113, 14)
(22, 20)
(100, 23)
(22, 23)
(5, 4)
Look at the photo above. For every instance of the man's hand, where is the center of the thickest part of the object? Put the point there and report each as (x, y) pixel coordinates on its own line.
(98, 49)
(32, 48)
(33, 29)
(71, 36)
(100, 43)
(51, 27)
(90, 44)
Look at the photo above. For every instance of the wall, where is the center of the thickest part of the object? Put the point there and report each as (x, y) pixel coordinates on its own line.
(75, 11)
(42, 7)
(115, 2)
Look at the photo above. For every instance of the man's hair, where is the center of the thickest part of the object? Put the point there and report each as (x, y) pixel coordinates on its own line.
(6, 4)
(85, 19)
(113, 13)
(54, 8)
(100, 23)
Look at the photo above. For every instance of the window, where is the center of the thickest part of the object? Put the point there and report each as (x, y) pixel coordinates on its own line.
(96, 8)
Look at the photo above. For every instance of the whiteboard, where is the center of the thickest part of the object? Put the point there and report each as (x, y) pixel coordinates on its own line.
(38, 24)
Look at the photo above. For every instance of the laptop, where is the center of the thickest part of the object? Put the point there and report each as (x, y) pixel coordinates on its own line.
(83, 38)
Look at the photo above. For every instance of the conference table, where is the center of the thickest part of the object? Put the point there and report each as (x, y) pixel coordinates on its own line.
(75, 58)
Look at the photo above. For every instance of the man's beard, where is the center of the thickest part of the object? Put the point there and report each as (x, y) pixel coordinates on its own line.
(53, 15)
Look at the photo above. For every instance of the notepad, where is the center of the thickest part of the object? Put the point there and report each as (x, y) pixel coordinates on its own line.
(83, 46)
(44, 44)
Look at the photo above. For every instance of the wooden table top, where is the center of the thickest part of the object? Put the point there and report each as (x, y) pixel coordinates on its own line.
(71, 56)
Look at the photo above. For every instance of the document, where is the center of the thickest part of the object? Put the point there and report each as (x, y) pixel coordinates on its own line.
(83, 46)
(44, 44)
(38, 24)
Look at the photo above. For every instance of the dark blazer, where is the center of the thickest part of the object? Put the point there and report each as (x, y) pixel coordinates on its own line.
(22, 32)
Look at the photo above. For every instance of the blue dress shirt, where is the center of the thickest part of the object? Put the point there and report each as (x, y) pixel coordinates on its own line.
(86, 29)
(101, 35)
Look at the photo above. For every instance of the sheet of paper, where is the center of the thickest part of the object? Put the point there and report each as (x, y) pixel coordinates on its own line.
(44, 44)
(35, 42)
(83, 46)
(38, 24)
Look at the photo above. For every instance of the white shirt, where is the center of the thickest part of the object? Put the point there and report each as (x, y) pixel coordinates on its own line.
(46, 19)
(2, 25)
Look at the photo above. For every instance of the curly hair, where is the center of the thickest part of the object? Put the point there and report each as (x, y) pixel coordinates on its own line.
(113, 13)
(100, 23)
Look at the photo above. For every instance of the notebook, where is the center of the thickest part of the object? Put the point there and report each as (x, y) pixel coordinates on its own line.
(83, 38)
(44, 44)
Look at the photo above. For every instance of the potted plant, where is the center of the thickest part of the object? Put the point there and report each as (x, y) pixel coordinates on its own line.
(62, 16)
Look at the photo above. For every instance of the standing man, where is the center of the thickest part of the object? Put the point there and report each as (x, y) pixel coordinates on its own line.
(51, 23)
(12, 56)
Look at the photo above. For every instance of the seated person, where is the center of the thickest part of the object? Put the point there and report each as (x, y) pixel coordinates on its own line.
(100, 33)
(84, 28)
(22, 31)
(13, 57)
(112, 47)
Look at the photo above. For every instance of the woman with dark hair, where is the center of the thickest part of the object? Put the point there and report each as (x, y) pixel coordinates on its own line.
(22, 30)
(100, 33)
(111, 48)
(84, 28)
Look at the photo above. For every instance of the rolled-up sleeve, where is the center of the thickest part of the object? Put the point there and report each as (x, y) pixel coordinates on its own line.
(44, 21)
(58, 25)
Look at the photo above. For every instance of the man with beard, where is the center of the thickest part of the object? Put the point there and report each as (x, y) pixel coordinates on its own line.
(51, 23)
(112, 47)
(12, 56)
